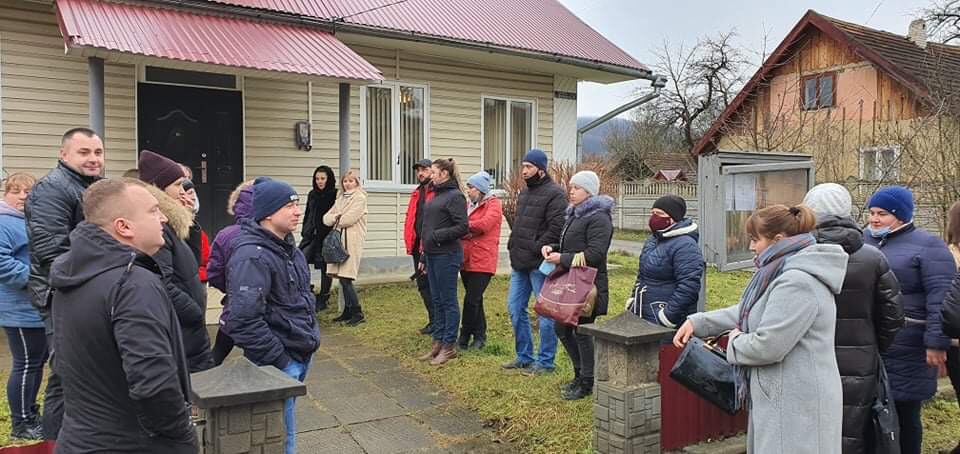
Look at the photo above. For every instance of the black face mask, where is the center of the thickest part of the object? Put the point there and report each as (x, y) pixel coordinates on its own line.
(534, 179)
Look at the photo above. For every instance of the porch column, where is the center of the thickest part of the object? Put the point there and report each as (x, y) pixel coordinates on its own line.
(95, 69)
(344, 128)
(626, 397)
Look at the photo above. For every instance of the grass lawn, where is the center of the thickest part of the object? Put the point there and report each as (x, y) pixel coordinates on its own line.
(630, 235)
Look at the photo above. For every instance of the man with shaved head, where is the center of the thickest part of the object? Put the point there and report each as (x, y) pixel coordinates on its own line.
(52, 211)
(120, 356)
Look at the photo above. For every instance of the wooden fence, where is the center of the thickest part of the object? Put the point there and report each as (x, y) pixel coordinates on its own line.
(636, 199)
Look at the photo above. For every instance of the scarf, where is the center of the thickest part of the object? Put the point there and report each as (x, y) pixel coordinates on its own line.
(769, 266)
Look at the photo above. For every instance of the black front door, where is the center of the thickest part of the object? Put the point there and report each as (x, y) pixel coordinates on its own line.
(203, 129)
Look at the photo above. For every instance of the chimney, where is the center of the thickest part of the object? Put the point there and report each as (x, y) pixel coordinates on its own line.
(918, 33)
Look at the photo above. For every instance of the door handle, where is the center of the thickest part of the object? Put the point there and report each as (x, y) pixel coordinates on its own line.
(203, 171)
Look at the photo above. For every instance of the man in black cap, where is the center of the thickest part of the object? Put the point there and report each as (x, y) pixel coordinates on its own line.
(412, 228)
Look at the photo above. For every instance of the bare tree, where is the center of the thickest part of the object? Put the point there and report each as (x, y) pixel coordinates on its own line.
(943, 20)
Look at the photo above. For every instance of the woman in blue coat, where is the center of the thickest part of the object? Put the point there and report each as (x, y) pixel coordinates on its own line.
(671, 266)
(924, 267)
(20, 320)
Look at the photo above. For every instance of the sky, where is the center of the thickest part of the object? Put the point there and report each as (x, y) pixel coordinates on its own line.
(640, 26)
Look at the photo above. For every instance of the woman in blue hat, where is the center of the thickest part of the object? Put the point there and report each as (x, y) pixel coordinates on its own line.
(924, 267)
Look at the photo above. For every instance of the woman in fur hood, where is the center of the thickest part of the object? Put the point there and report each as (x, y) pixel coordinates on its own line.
(588, 229)
(180, 269)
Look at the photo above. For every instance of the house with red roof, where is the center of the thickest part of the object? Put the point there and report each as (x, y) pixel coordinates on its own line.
(242, 88)
(872, 107)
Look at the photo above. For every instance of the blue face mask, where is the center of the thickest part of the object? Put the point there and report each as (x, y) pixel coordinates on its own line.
(879, 233)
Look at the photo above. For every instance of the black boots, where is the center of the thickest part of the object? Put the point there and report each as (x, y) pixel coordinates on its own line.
(478, 343)
(356, 318)
(322, 300)
(29, 429)
(347, 313)
(579, 388)
(463, 341)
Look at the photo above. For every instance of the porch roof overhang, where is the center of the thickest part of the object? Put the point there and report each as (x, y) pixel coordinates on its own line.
(98, 28)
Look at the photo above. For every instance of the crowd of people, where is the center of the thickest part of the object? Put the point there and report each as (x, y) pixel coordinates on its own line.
(114, 272)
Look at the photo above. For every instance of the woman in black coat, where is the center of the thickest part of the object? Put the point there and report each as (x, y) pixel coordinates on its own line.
(588, 229)
(869, 313)
(320, 200)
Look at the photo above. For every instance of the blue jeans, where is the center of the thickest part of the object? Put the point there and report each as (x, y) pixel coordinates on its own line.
(523, 284)
(442, 271)
(297, 371)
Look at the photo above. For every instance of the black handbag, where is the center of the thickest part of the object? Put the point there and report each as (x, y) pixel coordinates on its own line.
(703, 369)
(333, 250)
(886, 424)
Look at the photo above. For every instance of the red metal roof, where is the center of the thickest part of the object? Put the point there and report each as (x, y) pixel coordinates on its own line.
(191, 37)
(543, 26)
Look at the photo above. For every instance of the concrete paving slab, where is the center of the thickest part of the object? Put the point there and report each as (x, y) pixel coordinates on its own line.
(310, 417)
(362, 408)
(328, 441)
(393, 435)
(451, 421)
(372, 364)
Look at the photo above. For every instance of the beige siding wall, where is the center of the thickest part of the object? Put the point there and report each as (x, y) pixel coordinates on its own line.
(43, 93)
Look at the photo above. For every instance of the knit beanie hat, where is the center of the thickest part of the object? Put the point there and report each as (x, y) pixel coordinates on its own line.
(481, 181)
(587, 180)
(158, 170)
(537, 158)
(270, 195)
(829, 199)
(673, 205)
(897, 200)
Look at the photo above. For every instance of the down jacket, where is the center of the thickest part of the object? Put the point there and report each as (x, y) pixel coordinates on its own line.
(588, 228)
(481, 246)
(924, 267)
(868, 317)
(271, 305)
(223, 244)
(670, 271)
(119, 354)
(182, 280)
(54, 207)
(538, 219)
(951, 310)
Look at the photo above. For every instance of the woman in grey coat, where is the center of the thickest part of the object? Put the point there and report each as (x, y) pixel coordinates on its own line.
(782, 333)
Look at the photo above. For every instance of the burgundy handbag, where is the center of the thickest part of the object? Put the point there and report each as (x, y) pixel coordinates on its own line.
(568, 293)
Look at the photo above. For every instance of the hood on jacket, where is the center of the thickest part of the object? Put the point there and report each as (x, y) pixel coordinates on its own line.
(591, 206)
(826, 262)
(8, 210)
(684, 227)
(179, 217)
(840, 230)
(243, 207)
(331, 186)
(93, 252)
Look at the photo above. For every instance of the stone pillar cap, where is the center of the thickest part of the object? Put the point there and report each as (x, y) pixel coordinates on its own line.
(240, 382)
(627, 329)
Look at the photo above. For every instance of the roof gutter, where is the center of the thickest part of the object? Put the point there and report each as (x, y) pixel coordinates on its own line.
(658, 83)
(337, 24)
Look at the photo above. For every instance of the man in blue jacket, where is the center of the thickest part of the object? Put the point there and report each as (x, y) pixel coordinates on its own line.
(271, 305)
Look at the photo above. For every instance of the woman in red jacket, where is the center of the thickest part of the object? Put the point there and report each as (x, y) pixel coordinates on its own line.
(481, 249)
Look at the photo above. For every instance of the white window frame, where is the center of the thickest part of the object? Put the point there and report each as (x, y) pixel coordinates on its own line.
(878, 158)
(395, 184)
(533, 127)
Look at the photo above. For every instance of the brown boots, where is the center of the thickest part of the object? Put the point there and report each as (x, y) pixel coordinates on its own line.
(434, 351)
(447, 352)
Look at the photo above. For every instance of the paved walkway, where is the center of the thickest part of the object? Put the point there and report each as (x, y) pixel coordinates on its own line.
(362, 401)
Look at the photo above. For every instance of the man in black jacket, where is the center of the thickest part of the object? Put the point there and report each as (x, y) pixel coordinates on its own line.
(120, 357)
(52, 211)
(539, 220)
(412, 231)
(869, 312)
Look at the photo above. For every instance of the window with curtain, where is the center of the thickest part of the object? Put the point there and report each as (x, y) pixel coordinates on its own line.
(507, 136)
(395, 132)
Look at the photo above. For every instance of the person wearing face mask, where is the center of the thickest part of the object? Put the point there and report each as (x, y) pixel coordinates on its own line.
(588, 228)
(924, 267)
(782, 335)
(319, 202)
(671, 266)
(481, 249)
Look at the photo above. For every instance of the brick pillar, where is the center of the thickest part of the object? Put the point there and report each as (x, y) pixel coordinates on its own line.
(242, 407)
(626, 398)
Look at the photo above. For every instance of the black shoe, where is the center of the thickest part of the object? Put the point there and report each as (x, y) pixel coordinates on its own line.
(29, 429)
(322, 302)
(355, 319)
(347, 313)
(427, 329)
(515, 364)
(478, 343)
(569, 386)
(463, 342)
(584, 389)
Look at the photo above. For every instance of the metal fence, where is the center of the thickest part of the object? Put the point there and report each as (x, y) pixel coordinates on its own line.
(636, 199)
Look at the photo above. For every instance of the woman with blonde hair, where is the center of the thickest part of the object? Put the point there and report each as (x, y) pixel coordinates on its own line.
(349, 216)
(782, 335)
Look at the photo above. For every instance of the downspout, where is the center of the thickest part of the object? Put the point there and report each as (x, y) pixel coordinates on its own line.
(658, 82)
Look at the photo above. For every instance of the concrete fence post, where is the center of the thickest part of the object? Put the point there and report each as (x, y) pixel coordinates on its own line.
(241, 407)
(626, 402)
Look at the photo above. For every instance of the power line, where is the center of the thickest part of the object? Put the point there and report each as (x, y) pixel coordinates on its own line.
(340, 19)
(874, 12)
